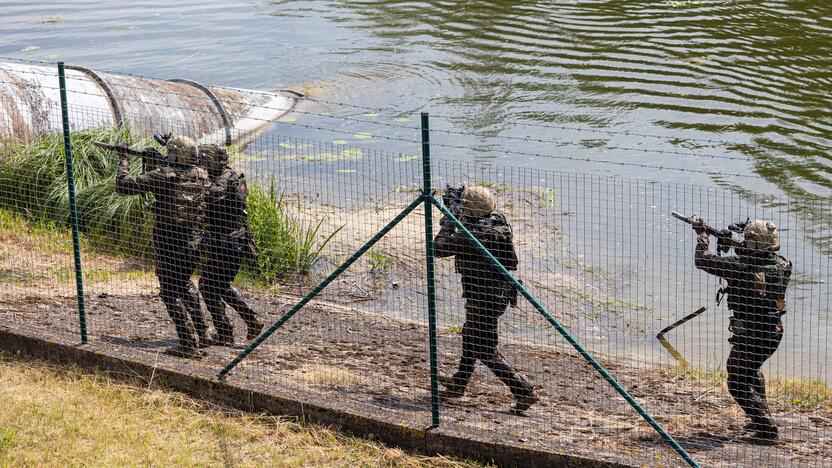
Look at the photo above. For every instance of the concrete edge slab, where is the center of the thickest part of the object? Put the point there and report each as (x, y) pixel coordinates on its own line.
(199, 383)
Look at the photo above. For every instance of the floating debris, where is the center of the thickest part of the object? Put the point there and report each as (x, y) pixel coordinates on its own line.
(300, 146)
(405, 158)
(352, 153)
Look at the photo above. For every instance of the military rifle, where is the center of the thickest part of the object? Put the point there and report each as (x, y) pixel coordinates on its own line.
(724, 237)
(150, 157)
(452, 199)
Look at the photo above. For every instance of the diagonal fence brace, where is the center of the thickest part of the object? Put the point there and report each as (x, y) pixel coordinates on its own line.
(320, 287)
(565, 333)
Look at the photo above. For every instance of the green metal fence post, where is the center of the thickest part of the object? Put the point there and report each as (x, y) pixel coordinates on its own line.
(73, 210)
(569, 338)
(431, 277)
(320, 287)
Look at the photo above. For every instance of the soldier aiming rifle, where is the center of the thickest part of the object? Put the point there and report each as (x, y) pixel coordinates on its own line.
(179, 188)
(756, 280)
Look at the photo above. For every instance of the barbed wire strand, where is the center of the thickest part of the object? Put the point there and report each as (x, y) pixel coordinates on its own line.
(398, 112)
(468, 148)
(411, 128)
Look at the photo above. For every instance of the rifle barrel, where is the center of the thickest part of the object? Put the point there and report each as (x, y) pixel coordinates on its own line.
(681, 217)
(119, 149)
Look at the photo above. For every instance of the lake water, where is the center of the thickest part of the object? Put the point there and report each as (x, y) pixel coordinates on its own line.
(722, 89)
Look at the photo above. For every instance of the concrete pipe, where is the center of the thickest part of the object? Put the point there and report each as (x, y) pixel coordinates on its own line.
(30, 105)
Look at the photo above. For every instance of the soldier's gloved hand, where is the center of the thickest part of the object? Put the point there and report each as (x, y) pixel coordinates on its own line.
(697, 223)
(162, 138)
(446, 223)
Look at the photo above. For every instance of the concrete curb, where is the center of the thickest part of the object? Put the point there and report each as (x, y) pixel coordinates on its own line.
(199, 383)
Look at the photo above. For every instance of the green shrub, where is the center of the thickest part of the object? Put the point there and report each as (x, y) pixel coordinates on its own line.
(33, 184)
(287, 247)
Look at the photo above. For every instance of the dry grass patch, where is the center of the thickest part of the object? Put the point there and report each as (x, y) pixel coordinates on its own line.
(63, 416)
(328, 376)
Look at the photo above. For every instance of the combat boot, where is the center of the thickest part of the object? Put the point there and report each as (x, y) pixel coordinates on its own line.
(188, 346)
(763, 433)
(523, 392)
(524, 402)
(452, 388)
(203, 341)
(254, 330)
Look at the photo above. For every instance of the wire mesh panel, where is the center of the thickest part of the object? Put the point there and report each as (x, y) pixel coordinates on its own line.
(193, 247)
(607, 259)
(36, 265)
(361, 345)
(528, 386)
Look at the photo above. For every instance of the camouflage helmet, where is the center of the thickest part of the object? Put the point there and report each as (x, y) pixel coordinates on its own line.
(212, 155)
(478, 202)
(182, 150)
(761, 235)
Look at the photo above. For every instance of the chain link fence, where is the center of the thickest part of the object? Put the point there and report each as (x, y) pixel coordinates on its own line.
(601, 255)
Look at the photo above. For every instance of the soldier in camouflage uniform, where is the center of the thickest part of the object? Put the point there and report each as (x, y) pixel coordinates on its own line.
(226, 242)
(486, 292)
(757, 278)
(179, 189)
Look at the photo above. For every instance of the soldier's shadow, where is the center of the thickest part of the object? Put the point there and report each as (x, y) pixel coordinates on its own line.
(704, 441)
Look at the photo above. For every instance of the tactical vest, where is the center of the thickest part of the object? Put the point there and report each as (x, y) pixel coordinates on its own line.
(188, 192)
(480, 279)
(226, 210)
(762, 289)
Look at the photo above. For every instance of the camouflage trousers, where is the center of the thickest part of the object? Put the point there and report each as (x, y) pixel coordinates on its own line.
(746, 383)
(479, 343)
(221, 263)
(175, 262)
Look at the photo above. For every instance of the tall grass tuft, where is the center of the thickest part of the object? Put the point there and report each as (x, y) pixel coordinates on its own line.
(288, 247)
(33, 184)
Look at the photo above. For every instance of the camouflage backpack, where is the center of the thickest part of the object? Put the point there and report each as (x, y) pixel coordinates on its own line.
(771, 281)
(765, 289)
(189, 196)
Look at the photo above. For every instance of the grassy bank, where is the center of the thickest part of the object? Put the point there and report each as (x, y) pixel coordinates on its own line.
(62, 416)
(33, 186)
(807, 394)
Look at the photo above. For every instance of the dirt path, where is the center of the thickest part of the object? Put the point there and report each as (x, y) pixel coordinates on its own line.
(375, 365)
